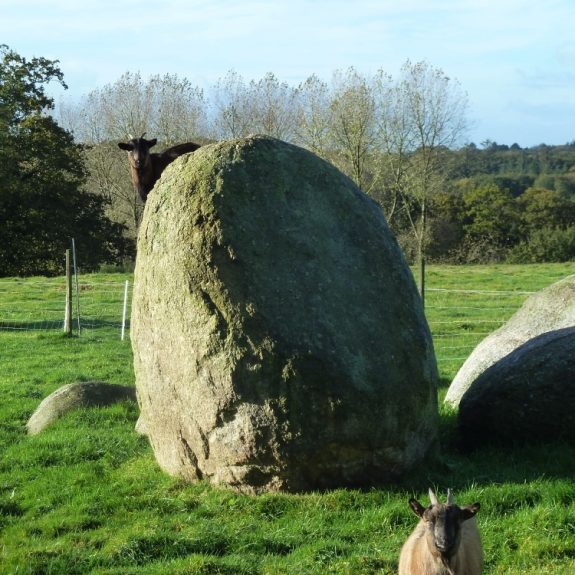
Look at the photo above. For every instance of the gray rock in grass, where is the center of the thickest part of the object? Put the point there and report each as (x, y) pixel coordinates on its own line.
(279, 339)
(549, 309)
(528, 396)
(74, 396)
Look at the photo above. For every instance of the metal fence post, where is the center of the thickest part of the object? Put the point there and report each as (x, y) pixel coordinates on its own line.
(68, 308)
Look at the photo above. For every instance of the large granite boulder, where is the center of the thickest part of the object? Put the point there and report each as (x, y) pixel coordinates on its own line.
(549, 309)
(528, 396)
(279, 340)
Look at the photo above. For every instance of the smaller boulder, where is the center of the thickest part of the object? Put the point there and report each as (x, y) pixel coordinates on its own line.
(526, 397)
(74, 396)
(550, 309)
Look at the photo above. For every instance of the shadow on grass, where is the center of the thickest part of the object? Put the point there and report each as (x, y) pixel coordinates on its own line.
(457, 467)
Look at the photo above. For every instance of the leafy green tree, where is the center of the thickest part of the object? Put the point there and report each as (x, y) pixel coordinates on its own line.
(491, 220)
(543, 208)
(551, 244)
(446, 213)
(547, 227)
(565, 185)
(42, 205)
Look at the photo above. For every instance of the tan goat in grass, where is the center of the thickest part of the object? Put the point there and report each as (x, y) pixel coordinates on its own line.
(445, 541)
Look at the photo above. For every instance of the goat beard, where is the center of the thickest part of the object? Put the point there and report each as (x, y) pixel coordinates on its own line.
(445, 560)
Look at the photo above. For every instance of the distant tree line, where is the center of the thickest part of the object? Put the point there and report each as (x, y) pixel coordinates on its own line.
(401, 139)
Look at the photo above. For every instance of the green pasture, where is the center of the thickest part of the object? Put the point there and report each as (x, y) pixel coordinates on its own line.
(85, 496)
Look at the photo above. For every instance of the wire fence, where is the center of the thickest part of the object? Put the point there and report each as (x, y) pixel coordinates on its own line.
(39, 304)
(458, 319)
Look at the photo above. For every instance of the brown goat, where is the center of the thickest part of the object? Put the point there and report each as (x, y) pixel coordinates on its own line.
(146, 167)
(445, 541)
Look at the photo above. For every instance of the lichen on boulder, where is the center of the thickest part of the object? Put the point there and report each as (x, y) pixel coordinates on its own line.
(279, 339)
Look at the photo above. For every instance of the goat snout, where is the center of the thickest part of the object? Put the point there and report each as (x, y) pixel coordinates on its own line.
(443, 546)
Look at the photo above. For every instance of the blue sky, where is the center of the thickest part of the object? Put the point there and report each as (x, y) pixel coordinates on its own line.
(514, 58)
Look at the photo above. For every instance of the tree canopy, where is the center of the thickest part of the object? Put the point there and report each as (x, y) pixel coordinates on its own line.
(352, 121)
(401, 139)
(43, 203)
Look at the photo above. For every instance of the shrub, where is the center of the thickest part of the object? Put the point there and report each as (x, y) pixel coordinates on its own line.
(545, 245)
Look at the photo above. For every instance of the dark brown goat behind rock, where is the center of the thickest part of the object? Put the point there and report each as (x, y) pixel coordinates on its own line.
(146, 167)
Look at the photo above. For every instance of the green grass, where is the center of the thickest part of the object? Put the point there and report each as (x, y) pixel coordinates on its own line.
(86, 496)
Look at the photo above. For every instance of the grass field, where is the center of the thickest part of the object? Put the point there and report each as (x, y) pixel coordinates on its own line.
(85, 496)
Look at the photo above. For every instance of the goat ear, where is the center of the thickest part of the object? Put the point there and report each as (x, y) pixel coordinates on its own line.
(469, 511)
(416, 507)
(128, 147)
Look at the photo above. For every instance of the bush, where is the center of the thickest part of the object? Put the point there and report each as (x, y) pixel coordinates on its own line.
(126, 267)
(545, 245)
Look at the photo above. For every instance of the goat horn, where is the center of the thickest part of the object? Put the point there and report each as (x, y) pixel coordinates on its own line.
(432, 497)
(143, 135)
(449, 497)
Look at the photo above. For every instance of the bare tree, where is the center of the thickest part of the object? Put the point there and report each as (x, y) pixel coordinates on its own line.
(107, 168)
(388, 135)
(231, 108)
(166, 106)
(274, 107)
(314, 116)
(394, 144)
(179, 110)
(423, 116)
(114, 111)
(266, 106)
(352, 125)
